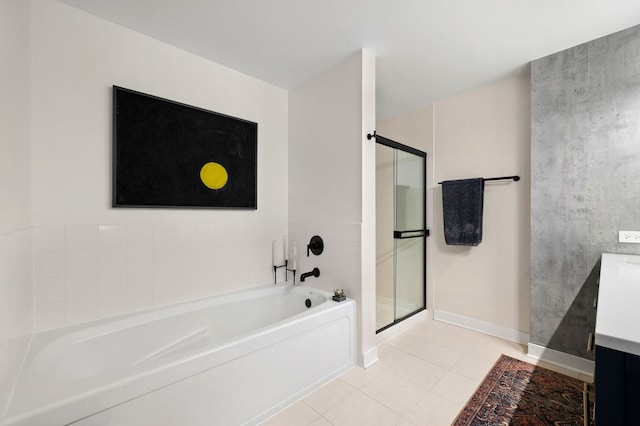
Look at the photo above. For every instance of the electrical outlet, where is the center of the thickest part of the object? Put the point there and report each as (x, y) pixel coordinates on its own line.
(629, 237)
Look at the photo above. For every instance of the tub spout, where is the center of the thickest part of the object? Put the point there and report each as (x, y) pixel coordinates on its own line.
(315, 272)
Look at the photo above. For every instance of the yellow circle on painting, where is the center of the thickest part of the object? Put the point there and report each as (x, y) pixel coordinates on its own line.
(214, 175)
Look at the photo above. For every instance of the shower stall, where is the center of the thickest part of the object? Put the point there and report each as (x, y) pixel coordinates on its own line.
(400, 232)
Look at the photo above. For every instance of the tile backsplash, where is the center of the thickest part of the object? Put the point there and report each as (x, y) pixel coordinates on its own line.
(86, 272)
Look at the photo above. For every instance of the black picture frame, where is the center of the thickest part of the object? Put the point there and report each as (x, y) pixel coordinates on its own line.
(161, 147)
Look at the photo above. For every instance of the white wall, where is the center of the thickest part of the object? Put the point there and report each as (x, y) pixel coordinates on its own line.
(16, 321)
(92, 260)
(368, 191)
(327, 145)
(486, 132)
(14, 116)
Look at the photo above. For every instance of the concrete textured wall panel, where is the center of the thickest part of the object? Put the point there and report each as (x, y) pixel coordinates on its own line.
(585, 175)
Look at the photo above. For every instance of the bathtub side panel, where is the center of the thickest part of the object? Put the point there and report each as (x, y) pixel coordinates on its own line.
(250, 388)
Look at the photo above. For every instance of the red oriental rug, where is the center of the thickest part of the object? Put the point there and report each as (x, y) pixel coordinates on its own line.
(517, 393)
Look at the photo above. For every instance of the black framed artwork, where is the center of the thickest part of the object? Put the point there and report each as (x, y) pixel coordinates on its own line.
(168, 154)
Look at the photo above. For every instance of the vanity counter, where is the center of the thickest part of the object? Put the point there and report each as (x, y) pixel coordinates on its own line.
(618, 316)
(618, 341)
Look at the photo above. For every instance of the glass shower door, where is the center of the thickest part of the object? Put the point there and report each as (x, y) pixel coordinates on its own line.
(401, 230)
(409, 234)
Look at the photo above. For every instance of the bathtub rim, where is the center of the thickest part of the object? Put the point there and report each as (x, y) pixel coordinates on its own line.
(153, 313)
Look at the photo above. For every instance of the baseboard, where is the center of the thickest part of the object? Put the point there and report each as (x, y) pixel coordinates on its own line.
(369, 358)
(483, 327)
(561, 359)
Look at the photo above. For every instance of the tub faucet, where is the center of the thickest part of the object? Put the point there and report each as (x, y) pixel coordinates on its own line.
(315, 272)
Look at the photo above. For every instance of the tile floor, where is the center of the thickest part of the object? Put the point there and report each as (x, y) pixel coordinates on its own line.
(424, 377)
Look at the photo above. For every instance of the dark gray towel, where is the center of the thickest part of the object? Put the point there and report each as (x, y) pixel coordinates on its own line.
(462, 202)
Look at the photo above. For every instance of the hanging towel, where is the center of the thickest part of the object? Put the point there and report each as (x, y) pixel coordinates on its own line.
(462, 202)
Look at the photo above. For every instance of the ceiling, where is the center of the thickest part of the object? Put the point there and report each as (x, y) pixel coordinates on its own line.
(425, 49)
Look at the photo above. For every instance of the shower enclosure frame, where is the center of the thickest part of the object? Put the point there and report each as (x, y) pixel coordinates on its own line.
(424, 231)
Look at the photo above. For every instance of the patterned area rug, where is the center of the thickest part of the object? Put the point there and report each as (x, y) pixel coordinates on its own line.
(517, 393)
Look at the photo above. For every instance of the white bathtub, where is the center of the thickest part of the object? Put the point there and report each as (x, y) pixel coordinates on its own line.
(226, 360)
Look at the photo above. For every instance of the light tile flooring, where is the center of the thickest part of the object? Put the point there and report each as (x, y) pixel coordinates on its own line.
(424, 377)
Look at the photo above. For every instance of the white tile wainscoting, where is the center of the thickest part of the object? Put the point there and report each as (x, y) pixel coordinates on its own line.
(85, 272)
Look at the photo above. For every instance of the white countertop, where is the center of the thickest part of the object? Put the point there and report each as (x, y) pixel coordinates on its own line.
(618, 315)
